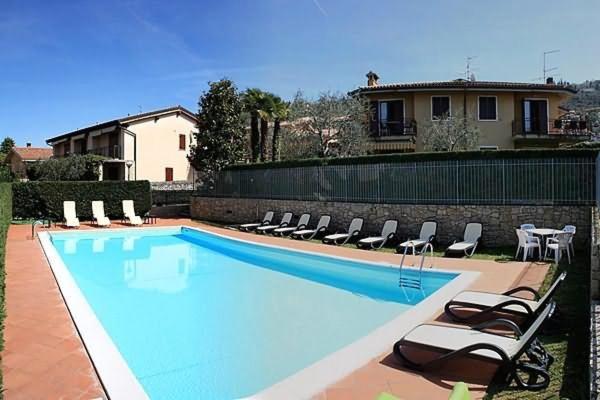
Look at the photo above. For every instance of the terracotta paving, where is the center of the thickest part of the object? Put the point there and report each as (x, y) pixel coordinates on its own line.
(44, 357)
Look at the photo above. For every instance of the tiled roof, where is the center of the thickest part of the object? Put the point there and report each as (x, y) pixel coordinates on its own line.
(462, 84)
(33, 153)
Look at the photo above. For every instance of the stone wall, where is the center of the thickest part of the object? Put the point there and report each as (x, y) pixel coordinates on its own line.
(175, 185)
(595, 255)
(498, 221)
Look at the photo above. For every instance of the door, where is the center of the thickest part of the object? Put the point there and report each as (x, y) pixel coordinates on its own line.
(169, 174)
(535, 116)
(391, 117)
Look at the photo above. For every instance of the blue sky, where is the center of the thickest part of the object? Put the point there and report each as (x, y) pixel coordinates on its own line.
(68, 64)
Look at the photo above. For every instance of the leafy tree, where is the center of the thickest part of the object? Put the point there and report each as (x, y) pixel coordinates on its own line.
(266, 113)
(220, 136)
(281, 110)
(253, 100)
(451, 133)
(6, 175)
(72, 168)
(7, 144)
(333, 125)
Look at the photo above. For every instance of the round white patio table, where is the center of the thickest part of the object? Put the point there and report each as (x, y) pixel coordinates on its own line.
(543, 232)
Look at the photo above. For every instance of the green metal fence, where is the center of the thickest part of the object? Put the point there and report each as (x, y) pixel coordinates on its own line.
(551, 181)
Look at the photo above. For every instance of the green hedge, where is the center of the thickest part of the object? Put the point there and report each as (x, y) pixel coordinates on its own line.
(45, 199)
(5, 218)
(412, 157)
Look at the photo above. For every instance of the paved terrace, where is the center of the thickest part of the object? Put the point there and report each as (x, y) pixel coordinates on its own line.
(44, 357)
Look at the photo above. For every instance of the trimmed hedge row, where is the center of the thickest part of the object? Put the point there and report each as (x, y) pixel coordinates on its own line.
(45, 199)
(5, 219)
(412, 157)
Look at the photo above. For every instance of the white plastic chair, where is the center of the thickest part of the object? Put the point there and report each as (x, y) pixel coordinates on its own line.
(98, 214)
(558, 244)
(527, 244)
(129, 213)
(572, 229)
(527, 227)
(71, 220)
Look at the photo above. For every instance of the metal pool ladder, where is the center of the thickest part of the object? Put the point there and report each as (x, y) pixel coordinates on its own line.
(414, 283)
(33, 225)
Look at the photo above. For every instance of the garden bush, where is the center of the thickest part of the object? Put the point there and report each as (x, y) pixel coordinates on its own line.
(5, 218)
(45, 199)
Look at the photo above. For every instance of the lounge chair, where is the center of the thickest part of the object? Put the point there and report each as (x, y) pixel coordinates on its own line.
(388, 232)
(482, 305)
(471, 238)
(129, 213)
(340, 238)
(302, 223)
(455, 342)
(71, 220)
(427, 235)
(285, 221)
(308, 234)
(253, 225)
(98, 214)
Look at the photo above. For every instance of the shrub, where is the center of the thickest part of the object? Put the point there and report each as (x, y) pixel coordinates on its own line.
(73, 168)
(5, 218)
(45, 199)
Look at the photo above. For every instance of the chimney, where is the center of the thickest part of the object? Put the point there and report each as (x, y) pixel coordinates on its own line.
(549, 80)
(28, 144)
(372, 79)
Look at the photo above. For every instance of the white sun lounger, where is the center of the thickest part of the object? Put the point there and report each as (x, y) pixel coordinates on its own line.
(427, 235)
(98, 214)
(454, 342)
(308, 234)
(302, 223)
(340, 238)
(486, 304)
(129, 213)
(71, 220)
(376, 242)
(253, 225)
(285, 221)
(471, 238)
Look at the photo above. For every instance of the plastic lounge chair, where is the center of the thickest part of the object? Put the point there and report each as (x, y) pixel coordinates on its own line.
(486, 304)
(455, 342)
(98, 214)
(388, 232)
(129, 213)
(302, 223)
(340, 238)
(308, 234)
(285, 221)
(471, 238)
(253, 225)
(71, 220)
(427, 235)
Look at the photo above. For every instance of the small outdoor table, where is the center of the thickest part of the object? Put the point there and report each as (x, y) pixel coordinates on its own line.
(543, 232)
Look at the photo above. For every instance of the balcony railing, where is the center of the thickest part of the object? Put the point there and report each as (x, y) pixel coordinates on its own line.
(551, 128)
(396, 128)
(108, 151)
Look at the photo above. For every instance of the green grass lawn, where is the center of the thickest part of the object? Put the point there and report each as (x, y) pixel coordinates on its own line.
(567, 336)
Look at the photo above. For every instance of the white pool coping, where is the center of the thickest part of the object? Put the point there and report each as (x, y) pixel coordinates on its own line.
(120, 382)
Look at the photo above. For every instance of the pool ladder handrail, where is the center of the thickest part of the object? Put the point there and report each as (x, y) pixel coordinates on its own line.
(413, 282)
(33, 225)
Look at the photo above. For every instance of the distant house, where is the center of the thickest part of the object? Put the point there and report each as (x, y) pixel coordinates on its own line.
(509, 115)
(149, 146)
(18, 158)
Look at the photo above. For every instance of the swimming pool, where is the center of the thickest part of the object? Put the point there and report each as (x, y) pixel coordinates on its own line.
(198, 315)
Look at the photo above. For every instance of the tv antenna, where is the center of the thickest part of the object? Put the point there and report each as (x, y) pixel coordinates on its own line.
(469, 69)
(546, 69)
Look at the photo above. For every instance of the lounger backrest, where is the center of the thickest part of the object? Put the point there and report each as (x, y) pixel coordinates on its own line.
(268, 217)
(355, 225)
(532, 332)
(98, 209)
(323, 222)
(550, 293)
(287, 218)
(527, 226)
(69, 209)
(428, 230)
(128, 209)
(304, 219)
(389, 227)
(472, 232)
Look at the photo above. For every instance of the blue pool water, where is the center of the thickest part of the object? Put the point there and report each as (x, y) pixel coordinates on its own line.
(198, 316)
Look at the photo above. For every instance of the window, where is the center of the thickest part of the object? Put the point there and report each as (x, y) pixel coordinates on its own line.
(181, 142)
(440, 107)
(487, 108)
(391, 117)
(169, 174)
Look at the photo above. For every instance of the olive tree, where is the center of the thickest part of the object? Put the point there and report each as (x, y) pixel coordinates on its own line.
(451, 133)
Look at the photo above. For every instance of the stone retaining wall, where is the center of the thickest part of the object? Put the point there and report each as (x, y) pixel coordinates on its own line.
(498, 221)
(595, 255)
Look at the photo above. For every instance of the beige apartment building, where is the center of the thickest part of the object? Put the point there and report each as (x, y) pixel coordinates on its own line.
(149, 146)
(509, 115)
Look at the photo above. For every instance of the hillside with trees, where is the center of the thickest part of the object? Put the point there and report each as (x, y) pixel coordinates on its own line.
(588, 96)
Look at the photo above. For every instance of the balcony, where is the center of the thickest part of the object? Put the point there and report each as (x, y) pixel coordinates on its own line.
(561, 129)
(115, 151)
(395, 129)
